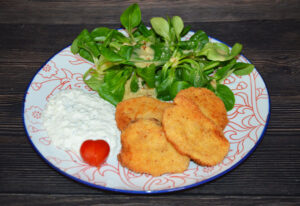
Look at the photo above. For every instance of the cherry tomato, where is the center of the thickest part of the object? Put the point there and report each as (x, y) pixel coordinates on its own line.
(94, 152)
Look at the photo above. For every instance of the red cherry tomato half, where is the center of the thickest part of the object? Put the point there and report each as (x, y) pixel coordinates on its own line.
(94, 152)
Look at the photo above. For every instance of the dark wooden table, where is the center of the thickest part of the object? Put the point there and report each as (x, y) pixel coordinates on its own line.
(32, 31)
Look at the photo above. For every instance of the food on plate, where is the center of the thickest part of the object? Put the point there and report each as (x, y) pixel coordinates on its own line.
(94, 152)
(193, 134)
(190, 127)
(143, 90)
(209, 104)
(145, 149)
(159, 61)
(74, 116)
(139, 108)
(133, 70)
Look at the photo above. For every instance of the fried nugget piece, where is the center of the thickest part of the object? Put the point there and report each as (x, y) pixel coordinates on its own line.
(209, 104)
(145, 149)
(139, 108)
(193, 134)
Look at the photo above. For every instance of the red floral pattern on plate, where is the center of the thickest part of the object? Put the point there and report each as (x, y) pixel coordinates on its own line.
(49, 70)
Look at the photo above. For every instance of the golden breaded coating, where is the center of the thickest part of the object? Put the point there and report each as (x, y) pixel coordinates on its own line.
(139, 108)
(193, 134)
(209, 104)
(145, 149)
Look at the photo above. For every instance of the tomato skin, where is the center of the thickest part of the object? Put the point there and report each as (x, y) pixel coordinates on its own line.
(94, 152)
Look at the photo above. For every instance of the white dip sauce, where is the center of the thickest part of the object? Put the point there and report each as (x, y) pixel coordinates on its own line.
(73, 116)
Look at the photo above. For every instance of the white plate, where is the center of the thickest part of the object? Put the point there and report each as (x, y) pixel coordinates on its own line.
(248, 122)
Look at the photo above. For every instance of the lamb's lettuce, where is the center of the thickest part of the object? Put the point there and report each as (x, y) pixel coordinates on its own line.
(169, 65)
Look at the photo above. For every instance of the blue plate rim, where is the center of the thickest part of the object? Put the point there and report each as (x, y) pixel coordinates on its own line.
(145, 191)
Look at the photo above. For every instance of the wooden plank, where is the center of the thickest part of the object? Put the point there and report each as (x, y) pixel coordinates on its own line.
(91, 11)
(114, 199)
(254, 35)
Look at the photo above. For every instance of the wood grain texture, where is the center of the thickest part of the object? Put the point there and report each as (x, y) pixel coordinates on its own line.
(25, 199)
(32, 31)
(94, 11)
(278, 35)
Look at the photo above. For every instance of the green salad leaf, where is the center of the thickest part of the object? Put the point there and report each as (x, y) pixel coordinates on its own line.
(113, 87)
(134, 86)
(178, 26)
(226, 95)
(219, 51)
(156, 58)
(161, 27)
(147, 74)
(131, 18)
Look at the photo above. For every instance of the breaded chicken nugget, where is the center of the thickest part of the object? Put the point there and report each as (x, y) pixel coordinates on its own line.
(193, 134)
(145, 149)
(139, 108)
(209, 104)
